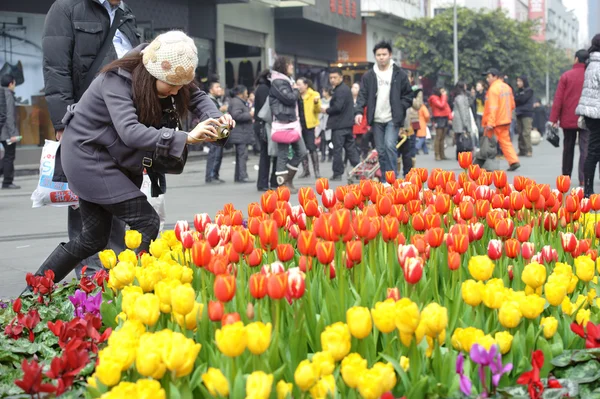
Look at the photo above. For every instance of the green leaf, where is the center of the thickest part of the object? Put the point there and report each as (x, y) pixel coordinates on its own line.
(174, 391)
(109, 314)
(196, 378)
(418, 390)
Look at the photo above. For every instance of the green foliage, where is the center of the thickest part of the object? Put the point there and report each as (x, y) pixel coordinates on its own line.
(485, 40)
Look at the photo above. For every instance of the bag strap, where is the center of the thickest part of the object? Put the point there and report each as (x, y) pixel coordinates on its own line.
(95, 67)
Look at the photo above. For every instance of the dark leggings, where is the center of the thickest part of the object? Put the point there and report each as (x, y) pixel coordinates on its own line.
(97, 221)
(593, 155)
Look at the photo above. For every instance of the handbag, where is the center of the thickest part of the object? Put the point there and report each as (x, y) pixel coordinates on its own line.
(552, 135)
(159, 161)
(488, 147)
(474, 127)
(287, 133)
(464, 143)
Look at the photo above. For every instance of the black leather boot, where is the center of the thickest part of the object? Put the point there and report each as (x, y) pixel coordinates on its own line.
(315, 161)
(305, 168)
(61, 262)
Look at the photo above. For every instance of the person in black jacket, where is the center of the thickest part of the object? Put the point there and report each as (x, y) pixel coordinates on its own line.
(243, 133)
(74, 31)
(341, 120)
(386, 92)
(524, 102)
(283, 100)
(9, 130)
(261, 96)
(215, 151)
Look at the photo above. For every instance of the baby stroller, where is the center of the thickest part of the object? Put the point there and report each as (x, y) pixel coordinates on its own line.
(367, 169)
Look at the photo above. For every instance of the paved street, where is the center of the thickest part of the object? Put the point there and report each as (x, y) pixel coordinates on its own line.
(28, 235)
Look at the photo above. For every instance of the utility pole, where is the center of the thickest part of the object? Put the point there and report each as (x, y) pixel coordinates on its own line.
(455, 46)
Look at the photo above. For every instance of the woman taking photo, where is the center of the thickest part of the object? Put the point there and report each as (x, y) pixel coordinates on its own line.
(283, 99)
(310, 110)
(441, 115)
(112, 132)
(243, 134)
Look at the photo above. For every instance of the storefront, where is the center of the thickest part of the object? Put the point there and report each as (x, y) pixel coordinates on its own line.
(309, 35)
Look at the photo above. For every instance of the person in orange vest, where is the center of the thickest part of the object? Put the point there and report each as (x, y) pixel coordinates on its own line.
(497, 115)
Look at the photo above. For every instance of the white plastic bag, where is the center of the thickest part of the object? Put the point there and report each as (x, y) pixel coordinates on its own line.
(49, 192)
(158, 203)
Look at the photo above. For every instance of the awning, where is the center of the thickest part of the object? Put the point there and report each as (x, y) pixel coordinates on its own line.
(288, 3)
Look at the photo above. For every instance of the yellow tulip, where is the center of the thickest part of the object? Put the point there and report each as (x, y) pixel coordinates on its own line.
(591, 296)
(534, 275)
(158, 248)
(533, 291)
(572, 284)
(352, 368)
(215, 382)
(481, 267)
(259, 385)
(486, 341)
(183, 298)
(509, 314)
(504, 340)
(407, 316)
(471, 292)
(435, 318)
(359, 321)
(125, 389)
(108, 258)
(567, 306)
(323, 363)
(404, 363)
(336, 340)
(284, 389)
(581, 302)
(563, 270)
(147, 309)
(555, 292)
(128, 256)
(170, 238)
(130, 295)
(147, 260)
(585, 268)
(148, 360)
(149, 389)
(148, 276)
(305, 375)
(550, 325)
(108, 372)
(231, 339)
(190, 320)
(370, 384)
(384, 316)
(187, 275)
(386, 370)
(163, 289)
(468, 337)
(583, 317)
(494, 294)
(532, 306)
(324, 388)
(179, 354)
(133, 239)
(121, 275)
(258, 337)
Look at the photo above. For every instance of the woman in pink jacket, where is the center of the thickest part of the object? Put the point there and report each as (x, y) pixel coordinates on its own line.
(441, 116)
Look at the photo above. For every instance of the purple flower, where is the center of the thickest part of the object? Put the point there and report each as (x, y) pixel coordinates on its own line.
(465, 382)
(86, 304)
(3, 305)
(498, 369)
(480, 356)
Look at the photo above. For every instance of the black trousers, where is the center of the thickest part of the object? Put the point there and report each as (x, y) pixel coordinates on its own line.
(97, 225)
(343, 140)
(569, 151)
(266, 164)
(213, 162)
(593, 155)
(308, 135)
(7, 166)
(241, 162)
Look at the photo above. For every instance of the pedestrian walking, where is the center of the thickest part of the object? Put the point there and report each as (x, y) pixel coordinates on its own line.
(341, 121)
(424, 118)
(441, 119)
(322, 132)
(132, 107)
(267, 163)
(310, 105)
(80, 37)
(563, 114)
(497, 115)
(9, 131)
(461, 122)
(386, 92)
(479, 104)
(589, 108)
(362, 133)
(524, 109)
(215, 150)
(243, 133)
(283, 100)
(407, 151)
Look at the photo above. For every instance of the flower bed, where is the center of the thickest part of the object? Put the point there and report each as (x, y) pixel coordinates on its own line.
(433, 286)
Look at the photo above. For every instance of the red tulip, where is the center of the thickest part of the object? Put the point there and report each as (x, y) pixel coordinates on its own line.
(305, 194)
(434, 237)
(254, 210)
(459, 242)
(212, 234)
(549, 254)
(595, 201)
(523, 233)
(340, 221)
(586, 205)
(305, 263)
(384, 204)
(366, 187)
(307, 242)
(466, 210)
(239, 239)
(321, 184)
(255, 257)
(224, 287)
(584, 245)
(563, 183)
(187, 239)
(283, 193)
(569, 241)
(311, 208)
(453, 260)
(494, 249)
(476, 231)
(361, 224)
(406, 252)
(482, 208)
(512, 247)
(201, 253)
(328, 198)
(465, 159)
(354, 251)
(295, 283)
(532, 191)
(390, 177)
(393, 293)
(277, 285)
(237, 218)
(230, 318)
(180, 227)
(499, 178)
(527, 250)
(413, 271)
(389, 228)
(325, 251)
(258, 285)
(504, 228)
(268, 234)
(511, 275)
(215, 310)
(550, 221)
(285, 252)
(200, 221)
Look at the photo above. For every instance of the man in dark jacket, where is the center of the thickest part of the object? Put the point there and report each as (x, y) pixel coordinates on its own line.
(341, 120)
(9, 130)
(74, 32)
(524, 110)
(215, 154)
(566, 100)
(386, 92)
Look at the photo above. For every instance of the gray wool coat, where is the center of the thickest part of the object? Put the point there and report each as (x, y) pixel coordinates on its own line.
(243, 132)
(461, 122)
(589, 102)
(104, 143)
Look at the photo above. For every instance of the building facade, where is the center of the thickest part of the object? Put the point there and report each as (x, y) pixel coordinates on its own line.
(593, 18)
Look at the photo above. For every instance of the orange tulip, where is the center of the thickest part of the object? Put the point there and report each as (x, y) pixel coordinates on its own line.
(340, 221)
(393, 293)
(362, 225)
(224, 287)
(418, 222)
(321, 184)
(239, 239)
(230, 318)
(354, 250)
(305, 263)
(384, 204)
(366, 187)
(512, 247)
(523, 233)
(283, 193)
(390, 176)
(277, 285)
(280, 217)
(258, 285)
(434, 237)
(465, 159)
(285, 252)
(325, 251)
(442, 203)
(432, 220)
(201, 253)
(389, 228)
(215, 310)
(499, 178)
(311, 208)
(532, 191)
(255, 257)
(459, 242)
(268, 201)
(563, 183)
(504, 228)
(268, 234)
(453, 260)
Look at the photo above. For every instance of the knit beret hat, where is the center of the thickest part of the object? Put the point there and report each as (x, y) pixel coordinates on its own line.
(172, 58)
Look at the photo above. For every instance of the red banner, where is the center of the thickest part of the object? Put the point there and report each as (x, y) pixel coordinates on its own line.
(537, 11)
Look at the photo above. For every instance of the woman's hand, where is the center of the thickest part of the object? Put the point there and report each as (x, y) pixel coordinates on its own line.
(226, 120)
(204, 131)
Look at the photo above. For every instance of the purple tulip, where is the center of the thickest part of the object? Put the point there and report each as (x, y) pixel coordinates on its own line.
(480, 356)
(465, 382)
